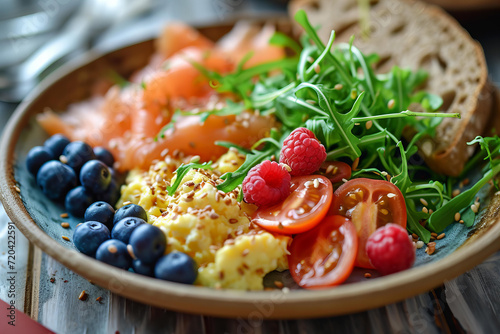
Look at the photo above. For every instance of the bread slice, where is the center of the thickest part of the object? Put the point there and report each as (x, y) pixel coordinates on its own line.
(412, 34)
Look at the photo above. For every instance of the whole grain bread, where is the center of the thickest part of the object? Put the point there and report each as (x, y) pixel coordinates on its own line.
(412, 34)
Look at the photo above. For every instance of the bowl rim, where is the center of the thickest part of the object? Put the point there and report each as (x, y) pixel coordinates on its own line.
(276, 304)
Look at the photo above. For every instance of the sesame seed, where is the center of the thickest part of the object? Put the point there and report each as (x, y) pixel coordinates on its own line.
(127, 203)
(65, 238)
(316, 183)
(17, 189)
(424, 202)
(441, 236)
(457, 216)
(317, 68)
(245, 252)
(474, 208)
(195, 158)
(164, 153)
(65, 225)
(310, 59)
(64, 215)
(384, 211)
(368, 125)
(330, 169)
(368, 275)
(344, 180)
(83, 296)
(391, 104)
(338, 86)
(63, 159)
(455, 192)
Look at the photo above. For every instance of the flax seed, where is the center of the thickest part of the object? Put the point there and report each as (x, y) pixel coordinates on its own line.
(63, 215)
(17, 189)
(233, 221)
(474, 208)
(391, 104)
(83, 296)
(441, 236)
(65, 225)
(434, 234)
(424, 202)
(65, 238)
(425, 210)
(414, 236)
(279, 284)
(98, 299)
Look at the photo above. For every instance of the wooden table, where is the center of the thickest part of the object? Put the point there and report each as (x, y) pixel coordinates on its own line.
(48, 292)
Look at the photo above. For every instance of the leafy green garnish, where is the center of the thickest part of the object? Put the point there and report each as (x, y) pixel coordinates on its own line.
(182, 170)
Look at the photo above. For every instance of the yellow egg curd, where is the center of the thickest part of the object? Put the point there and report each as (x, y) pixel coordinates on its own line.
(211, 226)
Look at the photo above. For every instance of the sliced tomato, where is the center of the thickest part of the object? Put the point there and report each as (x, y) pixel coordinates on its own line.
(324, 256)
(304, 208)
(335, 171)
(370, 204)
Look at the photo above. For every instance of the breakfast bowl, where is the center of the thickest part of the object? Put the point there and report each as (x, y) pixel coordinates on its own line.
(39, 220)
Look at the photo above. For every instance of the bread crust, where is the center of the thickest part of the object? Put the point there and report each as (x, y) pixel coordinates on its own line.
(415, 35)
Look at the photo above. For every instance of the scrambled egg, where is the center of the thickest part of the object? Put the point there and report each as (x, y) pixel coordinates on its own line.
(211, 226)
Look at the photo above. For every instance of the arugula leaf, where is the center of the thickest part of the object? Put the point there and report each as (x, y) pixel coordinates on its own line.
(182, 170)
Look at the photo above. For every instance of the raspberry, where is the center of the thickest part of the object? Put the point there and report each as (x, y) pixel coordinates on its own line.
(302, 152)
(390, 250)
(266, 184)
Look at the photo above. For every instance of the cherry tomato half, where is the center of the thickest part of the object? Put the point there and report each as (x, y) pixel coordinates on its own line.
(335, 171)
(370, 204)
(308, 203)
(324, 256)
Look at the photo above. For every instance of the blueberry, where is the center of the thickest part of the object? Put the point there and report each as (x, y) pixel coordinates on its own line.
(55, 179)
(111, 195)
(95, 176)
(89, 236)
(36, 157)
(176, 267)
(77, 154)
(148, 243)
(56, 144)
(104, 155)
(78, 200)
(124, 228)
(114, 252)
(130, 210)
(143, 269)
(100, 212)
